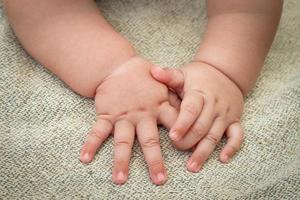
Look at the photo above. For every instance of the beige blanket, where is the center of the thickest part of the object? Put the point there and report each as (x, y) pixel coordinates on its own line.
(43, 123)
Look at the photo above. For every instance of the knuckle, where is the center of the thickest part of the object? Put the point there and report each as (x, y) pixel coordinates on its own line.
(121, 116)
(123, 120)
(227, 109)
(197, 130)
(122, 143)
(213, 100)
(105, 118)
(150, 142)
(191, 109)
(222, 118)
(94, 133)
(212, 138)
(200, 93)
(216, 100)
(141, 109)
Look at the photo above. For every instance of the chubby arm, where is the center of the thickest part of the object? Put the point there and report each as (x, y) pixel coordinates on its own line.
(70, 38)
(238, 37)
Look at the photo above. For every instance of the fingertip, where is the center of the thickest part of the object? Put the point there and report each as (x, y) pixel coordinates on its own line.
(159, 178)
(193, 166)
(120, 173)
(233, 145)
(174, 135)
(157, 72)
(119, 178)
(158, 174)
(85, 158)
(227, 153)
(224, 158)
(179, 128)
(173, 78)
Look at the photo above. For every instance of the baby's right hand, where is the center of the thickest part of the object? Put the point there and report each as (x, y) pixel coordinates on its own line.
(128, 101)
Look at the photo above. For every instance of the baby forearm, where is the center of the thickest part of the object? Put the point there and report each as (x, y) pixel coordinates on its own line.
(238, 37)
(70, 38)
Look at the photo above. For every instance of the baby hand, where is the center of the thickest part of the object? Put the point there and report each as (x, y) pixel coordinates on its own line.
(128, 101)
(211, 105)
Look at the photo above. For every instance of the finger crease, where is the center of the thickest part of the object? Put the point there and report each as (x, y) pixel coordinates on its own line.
(150, 143)
(190, 109)
(212, 138)
(122, 143)
(97, 135)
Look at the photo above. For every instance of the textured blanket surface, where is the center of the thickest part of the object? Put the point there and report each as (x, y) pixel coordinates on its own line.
(43, 123)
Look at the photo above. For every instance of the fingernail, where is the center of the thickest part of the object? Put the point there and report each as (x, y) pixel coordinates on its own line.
(86, 158)
(160, 177)
(194, 167)
(121, 177)
(174, 136)
(225, 159)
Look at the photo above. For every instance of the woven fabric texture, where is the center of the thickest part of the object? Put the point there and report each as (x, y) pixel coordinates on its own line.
(43, 123)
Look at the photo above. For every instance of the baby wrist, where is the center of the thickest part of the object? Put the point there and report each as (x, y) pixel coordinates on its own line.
(238, 86)
(132, 64)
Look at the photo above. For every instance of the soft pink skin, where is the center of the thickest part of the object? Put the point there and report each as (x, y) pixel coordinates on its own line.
(130, 101)
(73, 40)
(70, 38)
(207, 111)
(225, 67)
(238, 36)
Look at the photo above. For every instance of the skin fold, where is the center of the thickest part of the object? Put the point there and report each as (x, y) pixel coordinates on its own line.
(73, 40)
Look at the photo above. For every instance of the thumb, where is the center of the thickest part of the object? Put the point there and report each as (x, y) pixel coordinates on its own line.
(173, 78)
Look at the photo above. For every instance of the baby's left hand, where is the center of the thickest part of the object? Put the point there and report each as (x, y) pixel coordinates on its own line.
(211, 105)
